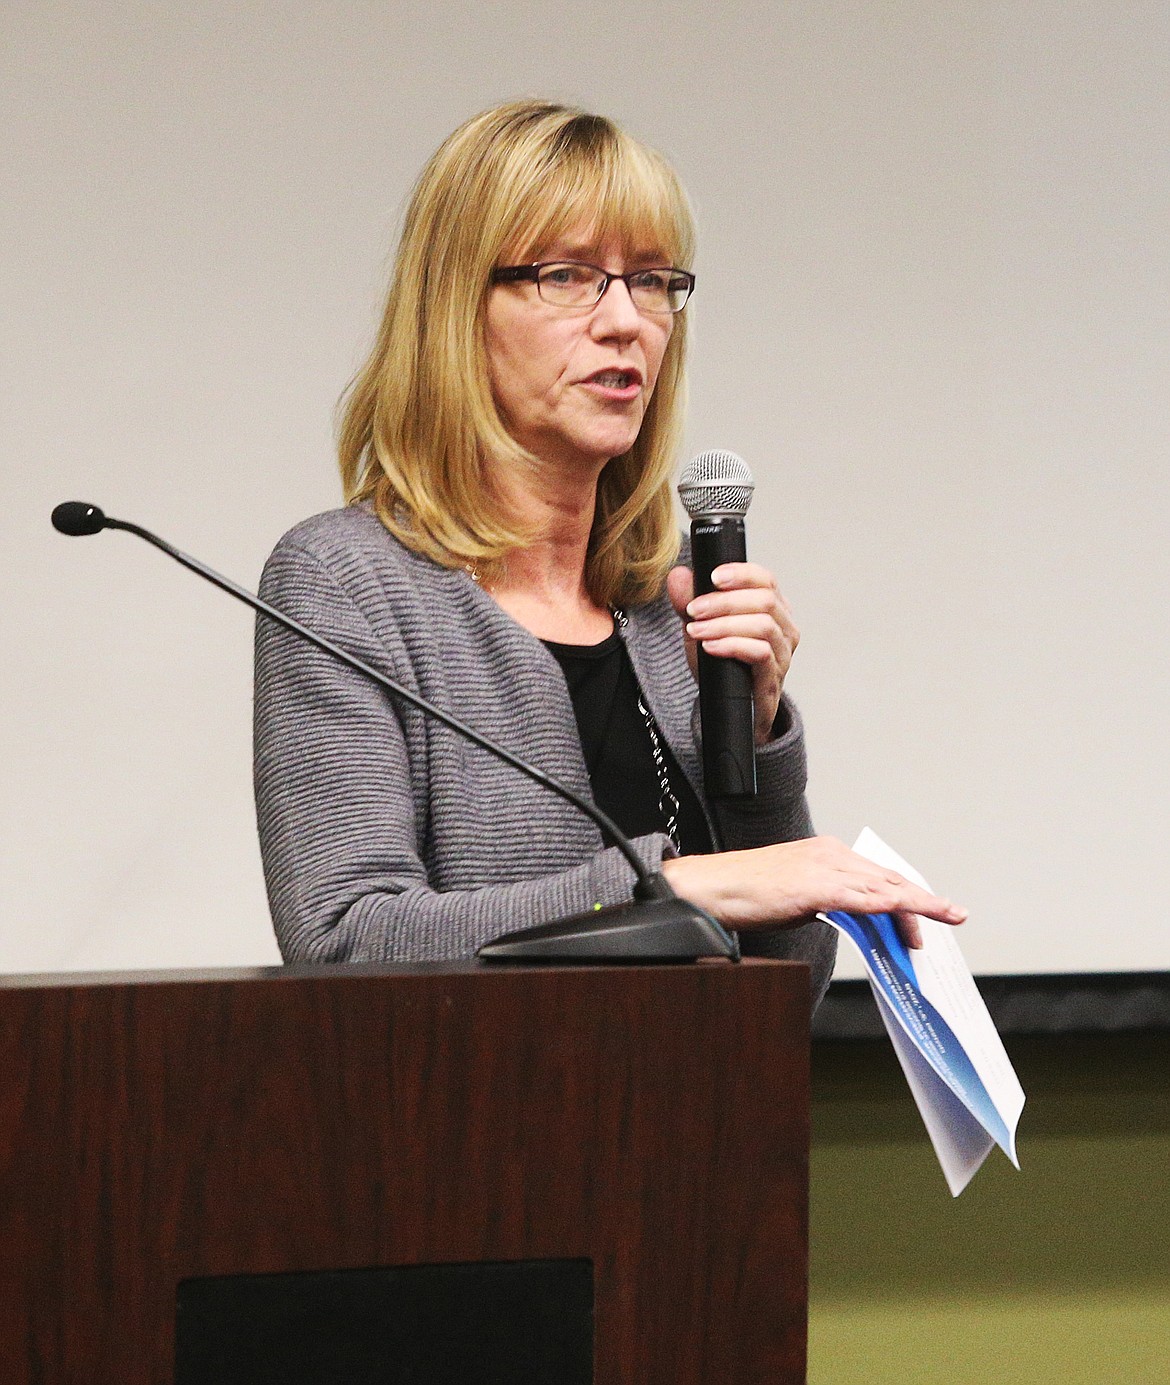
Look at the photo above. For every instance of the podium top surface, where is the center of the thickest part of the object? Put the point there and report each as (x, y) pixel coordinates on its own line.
(340, 971)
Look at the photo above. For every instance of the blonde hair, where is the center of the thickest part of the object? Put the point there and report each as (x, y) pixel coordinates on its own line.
(419, 423)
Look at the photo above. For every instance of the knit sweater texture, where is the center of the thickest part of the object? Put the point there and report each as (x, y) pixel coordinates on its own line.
(387, 837)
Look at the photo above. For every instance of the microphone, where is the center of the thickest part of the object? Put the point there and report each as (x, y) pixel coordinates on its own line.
(75, 517)
(655, 926)
(716, 490)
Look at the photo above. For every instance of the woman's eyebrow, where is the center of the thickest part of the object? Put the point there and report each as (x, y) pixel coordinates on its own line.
(591, 254)
(571, 250)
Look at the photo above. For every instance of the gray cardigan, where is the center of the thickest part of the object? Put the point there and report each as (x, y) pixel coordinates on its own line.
(387, 837)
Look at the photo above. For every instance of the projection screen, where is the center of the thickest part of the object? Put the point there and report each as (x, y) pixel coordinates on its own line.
(931, 314)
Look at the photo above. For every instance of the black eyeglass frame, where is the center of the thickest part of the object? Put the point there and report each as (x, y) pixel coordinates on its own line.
(530, 273)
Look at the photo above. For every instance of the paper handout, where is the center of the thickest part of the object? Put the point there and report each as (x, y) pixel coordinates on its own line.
(959, 1073)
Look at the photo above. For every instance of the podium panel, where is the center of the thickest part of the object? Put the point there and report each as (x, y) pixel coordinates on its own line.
(628, 1142)
(485, 1324)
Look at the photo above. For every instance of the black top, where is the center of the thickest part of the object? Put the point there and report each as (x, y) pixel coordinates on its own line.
(619, 753)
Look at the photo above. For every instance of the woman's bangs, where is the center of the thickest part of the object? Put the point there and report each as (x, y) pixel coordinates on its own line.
(642, 209)
(620, 196)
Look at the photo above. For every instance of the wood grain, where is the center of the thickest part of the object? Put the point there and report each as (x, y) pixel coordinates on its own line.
(652, 1119)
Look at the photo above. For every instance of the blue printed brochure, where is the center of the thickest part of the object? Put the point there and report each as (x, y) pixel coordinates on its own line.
(962, 1079)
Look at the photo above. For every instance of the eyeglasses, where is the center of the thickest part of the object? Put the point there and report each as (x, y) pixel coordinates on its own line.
(568, 284)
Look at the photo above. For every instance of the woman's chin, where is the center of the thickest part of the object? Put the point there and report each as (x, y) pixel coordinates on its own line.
(586, 457)
(609, 443)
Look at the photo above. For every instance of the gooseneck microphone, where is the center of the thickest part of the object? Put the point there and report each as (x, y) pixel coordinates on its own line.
(75, 518)
(716, 490)
(655, 926)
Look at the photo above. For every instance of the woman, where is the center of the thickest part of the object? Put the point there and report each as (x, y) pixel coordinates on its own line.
(510, 552)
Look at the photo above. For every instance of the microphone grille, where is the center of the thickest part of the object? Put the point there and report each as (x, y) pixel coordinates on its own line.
(716, 482)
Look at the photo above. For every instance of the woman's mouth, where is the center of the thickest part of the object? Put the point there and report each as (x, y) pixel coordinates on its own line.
(616, 383)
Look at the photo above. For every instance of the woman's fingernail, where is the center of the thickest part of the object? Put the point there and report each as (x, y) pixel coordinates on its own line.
(697, 607)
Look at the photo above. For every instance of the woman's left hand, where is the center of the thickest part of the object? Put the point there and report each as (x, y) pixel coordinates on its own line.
(745, 618)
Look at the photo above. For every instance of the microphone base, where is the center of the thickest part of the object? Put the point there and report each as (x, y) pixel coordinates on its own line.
(657, 930)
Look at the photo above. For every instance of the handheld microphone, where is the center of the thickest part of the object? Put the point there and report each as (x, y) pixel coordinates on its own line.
(655, 926)
(716, 490)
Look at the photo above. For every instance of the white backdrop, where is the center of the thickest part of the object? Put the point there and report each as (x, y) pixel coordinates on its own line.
(932, 314)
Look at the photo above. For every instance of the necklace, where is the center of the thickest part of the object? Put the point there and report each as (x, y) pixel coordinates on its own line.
(668, 804)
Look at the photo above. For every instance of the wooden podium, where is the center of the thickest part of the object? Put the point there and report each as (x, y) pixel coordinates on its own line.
(620, 1147)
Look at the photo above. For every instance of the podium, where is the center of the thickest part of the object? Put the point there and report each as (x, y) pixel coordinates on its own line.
(450, 1172)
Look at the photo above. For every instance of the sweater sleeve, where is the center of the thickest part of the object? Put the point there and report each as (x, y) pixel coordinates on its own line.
(343, 822)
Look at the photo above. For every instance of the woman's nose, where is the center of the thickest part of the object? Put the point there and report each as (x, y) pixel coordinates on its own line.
(616, 311)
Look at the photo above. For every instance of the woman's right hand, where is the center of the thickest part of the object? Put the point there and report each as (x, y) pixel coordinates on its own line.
(784, 884)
